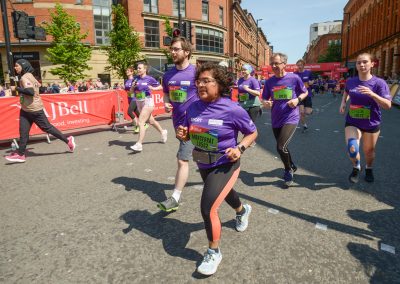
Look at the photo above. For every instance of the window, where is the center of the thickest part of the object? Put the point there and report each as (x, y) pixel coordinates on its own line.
(315, 29)
(24, 1)
(204, 10)
(102, 20)
(325, 28)
(221, 16)
(152, 33)
(79, 2)
(209, 40)
(150, 6)
(175, 8)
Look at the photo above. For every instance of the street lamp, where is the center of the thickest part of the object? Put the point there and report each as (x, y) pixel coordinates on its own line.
(348, 38)
(257, 41)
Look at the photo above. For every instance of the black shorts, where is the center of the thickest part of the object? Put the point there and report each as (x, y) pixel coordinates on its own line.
(373, 130)
(307, 102)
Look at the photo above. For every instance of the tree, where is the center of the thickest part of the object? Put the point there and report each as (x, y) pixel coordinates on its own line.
(333, 53)
(124, 49)
(168, 31)
(67, 48)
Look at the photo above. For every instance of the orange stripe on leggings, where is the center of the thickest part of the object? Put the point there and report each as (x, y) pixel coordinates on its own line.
(215, 222)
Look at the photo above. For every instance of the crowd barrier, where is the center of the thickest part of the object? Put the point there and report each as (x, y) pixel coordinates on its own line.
(73, 111)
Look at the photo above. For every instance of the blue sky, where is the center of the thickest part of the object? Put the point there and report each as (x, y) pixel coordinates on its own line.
(286, 23)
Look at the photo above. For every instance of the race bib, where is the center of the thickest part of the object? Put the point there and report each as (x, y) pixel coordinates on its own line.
(360, 112)
(21, 99)
(203, 138)
(140, 95)
(282, 93)
(244, 97)
(178, 94)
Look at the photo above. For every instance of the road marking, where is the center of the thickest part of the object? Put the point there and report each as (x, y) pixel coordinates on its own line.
(198, 187)
(113, 158)
(170, 178)
(321, 226)
(148, 170)
(129, 164)
(317, 129)
(388, 248)
(99, 153)
(273, 211)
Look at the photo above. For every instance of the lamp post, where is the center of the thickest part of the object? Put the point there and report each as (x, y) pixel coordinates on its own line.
(348, 38)
(179, 16)
(9, 58)
(257, 42)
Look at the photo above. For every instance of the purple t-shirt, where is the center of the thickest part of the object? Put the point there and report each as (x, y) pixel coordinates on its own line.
(214, 127)
(247, 100)
(127, 87)
(142, 87)
(364, 112)
(306, 77)
(281, 90)
(181, 89)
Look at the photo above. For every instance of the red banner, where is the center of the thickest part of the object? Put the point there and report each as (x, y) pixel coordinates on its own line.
(67, 111)
(312, 66)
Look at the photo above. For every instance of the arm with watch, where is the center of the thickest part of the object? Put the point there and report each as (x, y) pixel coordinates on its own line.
(234, 153)
(296, 101)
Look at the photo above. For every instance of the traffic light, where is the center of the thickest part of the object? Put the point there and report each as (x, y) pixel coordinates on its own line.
(176, 32)
(20, 22)
(187, 30)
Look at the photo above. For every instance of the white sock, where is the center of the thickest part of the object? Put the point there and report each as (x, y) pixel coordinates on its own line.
(177, 194)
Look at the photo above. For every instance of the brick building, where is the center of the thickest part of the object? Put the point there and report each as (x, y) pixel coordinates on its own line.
(320, 46)
(213, 24)
(373, 26)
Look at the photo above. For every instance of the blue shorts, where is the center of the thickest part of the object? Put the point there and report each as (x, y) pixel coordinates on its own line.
(185, 150)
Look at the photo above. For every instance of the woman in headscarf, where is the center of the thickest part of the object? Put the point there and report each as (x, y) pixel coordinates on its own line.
(32, 111)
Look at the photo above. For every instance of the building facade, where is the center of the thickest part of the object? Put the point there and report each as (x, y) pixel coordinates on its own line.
(319, 29)
(373, 26)
(213, 28)
(320, 45)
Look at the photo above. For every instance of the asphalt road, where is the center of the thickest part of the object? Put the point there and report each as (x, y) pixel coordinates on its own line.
(91, 216)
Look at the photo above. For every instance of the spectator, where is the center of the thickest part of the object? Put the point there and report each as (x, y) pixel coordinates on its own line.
(82, 87)
(55, 88)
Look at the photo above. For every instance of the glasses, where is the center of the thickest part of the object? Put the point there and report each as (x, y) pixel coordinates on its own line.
(204, 81)
(276, 63)
(175, 49)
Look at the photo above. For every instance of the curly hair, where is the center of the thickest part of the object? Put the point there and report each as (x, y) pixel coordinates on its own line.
(220, 74)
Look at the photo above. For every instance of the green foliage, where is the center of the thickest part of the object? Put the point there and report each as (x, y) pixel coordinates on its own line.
(67, 48)
(333, 54)
(124, 49)
(168, 31)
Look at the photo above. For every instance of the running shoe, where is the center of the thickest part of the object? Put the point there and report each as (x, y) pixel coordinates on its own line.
(168, 205)
(71, 143)
(138, 147)
(136, 129)
(305, 128)
(210, 262)
(242, 221)
(15, 157)
(164, 136)
(369, 176)
(288, 177)
(294, 168)
(146, 126)
(355, 175)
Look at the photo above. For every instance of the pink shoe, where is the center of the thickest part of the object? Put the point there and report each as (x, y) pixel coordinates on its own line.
(71, 143)
(15, 157)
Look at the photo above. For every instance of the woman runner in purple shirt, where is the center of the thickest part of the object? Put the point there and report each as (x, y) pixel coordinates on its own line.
(283, 93)
(212, 124)
(367, 95)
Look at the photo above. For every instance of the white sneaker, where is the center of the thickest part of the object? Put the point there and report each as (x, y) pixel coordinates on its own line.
(210, 262)
(137, 147)
(242, 221)
(164, 135)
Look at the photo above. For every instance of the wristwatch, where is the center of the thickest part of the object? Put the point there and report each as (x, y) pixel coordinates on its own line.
(241, 148)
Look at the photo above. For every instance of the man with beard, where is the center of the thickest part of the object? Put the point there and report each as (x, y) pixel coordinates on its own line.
(179, 92)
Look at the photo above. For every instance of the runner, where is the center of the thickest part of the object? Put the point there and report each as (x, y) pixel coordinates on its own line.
(368, 94)
(32, 111)
(305, 106)
(179, 92)
(212, 124)
(283, 92)
(249, 92)
(145, 103)
(132, 109)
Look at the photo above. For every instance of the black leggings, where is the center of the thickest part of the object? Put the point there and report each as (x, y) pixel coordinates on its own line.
(283, 135)
(218, 186)
(133, 109)
(254, 112)
(26, 119)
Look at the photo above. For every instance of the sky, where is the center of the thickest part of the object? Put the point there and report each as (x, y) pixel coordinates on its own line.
(286, 23)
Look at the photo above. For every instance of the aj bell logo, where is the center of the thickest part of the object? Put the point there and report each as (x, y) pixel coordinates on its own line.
(196, 119)
(60, 109)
